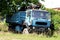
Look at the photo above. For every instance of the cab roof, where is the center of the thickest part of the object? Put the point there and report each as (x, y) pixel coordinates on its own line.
(36, 10)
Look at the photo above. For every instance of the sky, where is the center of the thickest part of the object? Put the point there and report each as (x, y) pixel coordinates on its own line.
(51, 3)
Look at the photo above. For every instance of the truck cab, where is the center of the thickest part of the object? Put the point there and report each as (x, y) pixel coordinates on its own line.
(38, 18)
(39, 21)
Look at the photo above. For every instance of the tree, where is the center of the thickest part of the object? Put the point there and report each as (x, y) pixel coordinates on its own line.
(11, 6)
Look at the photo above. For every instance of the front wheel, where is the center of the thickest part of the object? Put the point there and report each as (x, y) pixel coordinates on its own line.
(49, 32)
(25, 31)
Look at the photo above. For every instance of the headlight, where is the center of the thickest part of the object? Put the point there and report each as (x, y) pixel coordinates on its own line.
(49, 19)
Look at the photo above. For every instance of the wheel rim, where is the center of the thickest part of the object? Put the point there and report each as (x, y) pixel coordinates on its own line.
(25, 31)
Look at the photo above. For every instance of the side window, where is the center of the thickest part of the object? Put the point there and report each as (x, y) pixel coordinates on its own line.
(28, 13)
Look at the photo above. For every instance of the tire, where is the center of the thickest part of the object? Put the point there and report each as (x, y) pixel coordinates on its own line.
(25, 31)
(18, 29)
(49, 32)
(52, 26)
(52, 29)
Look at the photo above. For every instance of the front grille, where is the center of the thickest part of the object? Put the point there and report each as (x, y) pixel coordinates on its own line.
(41, 23)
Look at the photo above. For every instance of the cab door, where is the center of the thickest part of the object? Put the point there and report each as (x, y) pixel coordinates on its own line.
(28, 17)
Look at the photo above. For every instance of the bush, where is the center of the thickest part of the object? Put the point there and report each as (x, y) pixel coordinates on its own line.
(55, 17)
(3, 26)
(56, 21)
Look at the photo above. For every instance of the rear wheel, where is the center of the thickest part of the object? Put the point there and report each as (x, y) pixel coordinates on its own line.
(18, 29)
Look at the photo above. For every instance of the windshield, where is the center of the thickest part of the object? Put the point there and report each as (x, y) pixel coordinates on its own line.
(40, 14)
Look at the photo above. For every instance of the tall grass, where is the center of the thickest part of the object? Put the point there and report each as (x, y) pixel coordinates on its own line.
(12, 36)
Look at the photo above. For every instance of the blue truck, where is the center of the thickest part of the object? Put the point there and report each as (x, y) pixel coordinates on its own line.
(33, 19)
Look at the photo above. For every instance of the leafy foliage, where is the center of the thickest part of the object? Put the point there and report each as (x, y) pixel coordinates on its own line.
(11, 6)
(55, 17)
